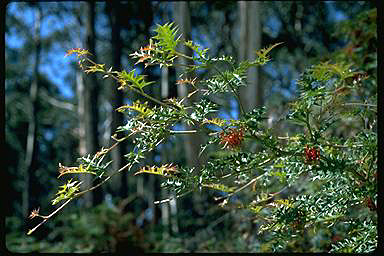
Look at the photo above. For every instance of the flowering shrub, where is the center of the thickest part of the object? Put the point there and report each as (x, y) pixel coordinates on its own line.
(331, 177)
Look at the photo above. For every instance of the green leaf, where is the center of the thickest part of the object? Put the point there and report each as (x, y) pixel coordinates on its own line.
(167, 170)
(167, 37)
(130, 79)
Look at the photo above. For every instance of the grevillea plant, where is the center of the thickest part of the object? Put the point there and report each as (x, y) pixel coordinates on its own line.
(320, 180)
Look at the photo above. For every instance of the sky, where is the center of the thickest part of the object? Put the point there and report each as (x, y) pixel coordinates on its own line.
(57, 68)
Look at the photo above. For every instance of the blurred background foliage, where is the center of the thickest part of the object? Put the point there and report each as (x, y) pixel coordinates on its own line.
(54, 114)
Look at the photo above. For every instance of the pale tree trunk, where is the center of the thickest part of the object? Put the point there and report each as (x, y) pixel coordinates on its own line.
(88, 93)
(183, 20)
(165, 216)
(250, 41)
(80, 88)
(191, 142)
(164, 82)
(31, 148)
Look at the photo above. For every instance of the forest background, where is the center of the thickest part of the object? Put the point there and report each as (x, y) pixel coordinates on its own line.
(54, 113)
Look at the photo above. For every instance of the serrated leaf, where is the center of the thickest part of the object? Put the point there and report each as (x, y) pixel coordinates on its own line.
(167, 170)
(73, 170)
(215, 121)
(142, 108)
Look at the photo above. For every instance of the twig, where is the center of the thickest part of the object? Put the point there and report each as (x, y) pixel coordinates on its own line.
(102, 182)
(233, 90)
(183, 55)
(75, 196)
(45, 218)
(183, 132)
(171, 198)
(132, 88)
(309, 126)
(241, 188)
(342, 146)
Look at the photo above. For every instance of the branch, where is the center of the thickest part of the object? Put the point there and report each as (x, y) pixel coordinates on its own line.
(248, 184)
(102, 182)
(109, 73)
(183, 132)
(57, 103)
(233, 90)
(171, 198)
(45, 218)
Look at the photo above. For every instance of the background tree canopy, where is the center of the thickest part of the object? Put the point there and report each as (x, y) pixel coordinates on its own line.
(56, 114)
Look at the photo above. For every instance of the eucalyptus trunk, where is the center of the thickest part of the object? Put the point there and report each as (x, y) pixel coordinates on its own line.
(183, 20)
(31, 148)
(250, 41)
(88, 101)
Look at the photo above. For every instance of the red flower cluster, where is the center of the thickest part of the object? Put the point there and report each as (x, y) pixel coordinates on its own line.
(311, 154)
(232, 138)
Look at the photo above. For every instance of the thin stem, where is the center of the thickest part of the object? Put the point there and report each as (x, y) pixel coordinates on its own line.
(183, 132)
(133, 88)
(102, 182)
(249, 183)
(149, 97)
(269, 198)
(246, 185)
(75, 196)
(49, 216)
(309, 126)
(183, 55)
(233, 90)
(171, 198)
(342, 146)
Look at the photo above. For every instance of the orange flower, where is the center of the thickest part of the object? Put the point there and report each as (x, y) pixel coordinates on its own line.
(143, 58)
(34, 213)
(232, 138)
(148, 47)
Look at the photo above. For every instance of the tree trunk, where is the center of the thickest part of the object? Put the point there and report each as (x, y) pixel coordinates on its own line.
(117, 98)
(183, 20)
(88, 94)
(250, 41)
(191, 142)
(80, 91)
(31, 148)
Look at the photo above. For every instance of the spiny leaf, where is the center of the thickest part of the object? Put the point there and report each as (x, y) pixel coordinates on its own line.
(142, 108)
(166, 35)
(95, 68)
(215, 121)
(263, 52)
(67, 170)
(130, 79)
(67, 191)
(167, 170)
